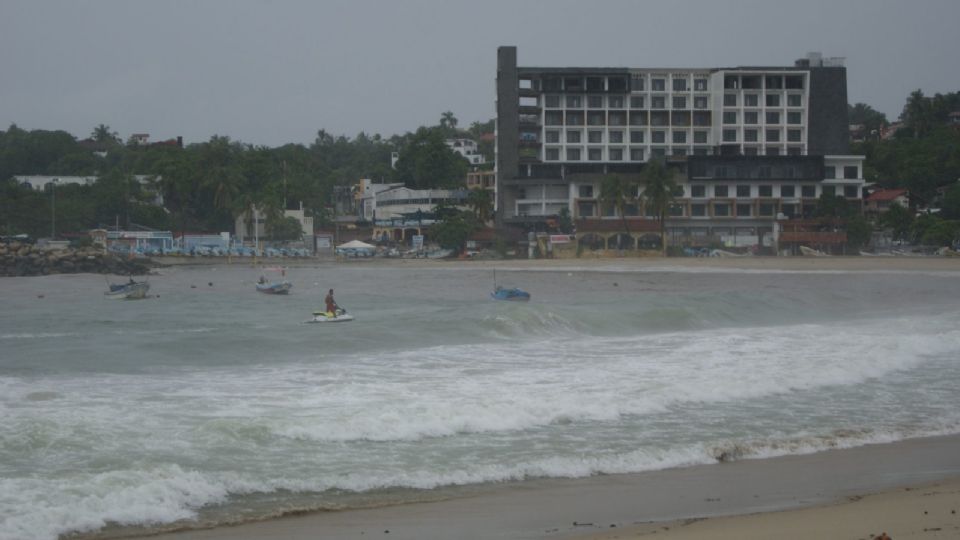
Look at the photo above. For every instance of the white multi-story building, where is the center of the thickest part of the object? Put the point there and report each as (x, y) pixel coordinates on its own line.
(750, 144)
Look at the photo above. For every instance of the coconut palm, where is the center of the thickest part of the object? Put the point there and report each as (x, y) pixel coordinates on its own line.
(481, 201)
(659, 187)
(618, 192)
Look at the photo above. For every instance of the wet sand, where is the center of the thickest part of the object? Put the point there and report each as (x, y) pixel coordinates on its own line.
(829, 492)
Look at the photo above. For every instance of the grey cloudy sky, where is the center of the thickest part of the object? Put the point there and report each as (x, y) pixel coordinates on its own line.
(272, 72)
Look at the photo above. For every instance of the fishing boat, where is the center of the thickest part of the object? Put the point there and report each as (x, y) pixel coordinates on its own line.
(512, 294)
(281, 286)
(132, 290)
(275, 287)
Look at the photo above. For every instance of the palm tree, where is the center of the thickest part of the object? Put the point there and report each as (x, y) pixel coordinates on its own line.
(102, 134)
(618, 192)
(481, 201)
(659, 187)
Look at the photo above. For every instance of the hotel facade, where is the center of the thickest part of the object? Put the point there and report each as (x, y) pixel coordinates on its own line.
(752, 147)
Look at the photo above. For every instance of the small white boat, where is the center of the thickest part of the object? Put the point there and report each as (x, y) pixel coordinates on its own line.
(327, 317)
(134, 290)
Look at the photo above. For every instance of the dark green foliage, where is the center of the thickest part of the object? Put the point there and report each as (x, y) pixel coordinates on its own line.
(453, 231)
(899, 220)
(284, 228)
(427, 163)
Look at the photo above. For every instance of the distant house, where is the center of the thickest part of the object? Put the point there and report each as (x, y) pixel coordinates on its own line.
(468, 149)
(880, 201)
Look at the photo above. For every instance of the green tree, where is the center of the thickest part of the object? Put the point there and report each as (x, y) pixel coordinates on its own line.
(659, 189)
(481, 202)
(102, 134)
(427, 163)
(950, 207)
(858, 230)
(872, 121)
(899, 220)
(619, 193)
(281, 227)
(452, 232)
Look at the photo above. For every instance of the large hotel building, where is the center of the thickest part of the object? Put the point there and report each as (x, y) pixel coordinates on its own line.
(753, 147)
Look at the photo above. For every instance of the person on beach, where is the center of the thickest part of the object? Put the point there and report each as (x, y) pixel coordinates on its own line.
(331, 304)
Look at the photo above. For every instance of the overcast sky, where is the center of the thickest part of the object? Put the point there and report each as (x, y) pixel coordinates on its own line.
(272, 72)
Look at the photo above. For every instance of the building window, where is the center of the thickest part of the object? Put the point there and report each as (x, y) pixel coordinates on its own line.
(679, 137)
(553, 118)
(700, 137)
(750, 100)
(617, 119)
(615, 102)
(765, 190)
(773, 117)
(574, 118)
(573, 154)
(552, 136)
(851, 172)
(794, 100)
(750, 135)
(573, 136)
(616, 137)
(743, 210)
(574, 102)
(794, 150)
(698, 210)
(658, 85)
(636, 154)
(700, 102)
(595, 102)
(829, 172)
(773, 135)
(850, 192)
(787, 191)
(794, 118)
(700, 85)
(793, 135)
(773, 150)
(720, 191)
(585, 191)
(808, 192)
(679, 151)
(729, 100)
(749, 150)
(698, 192)
(721, 210)
(658, 102)
(553, 154)
(659, 137)
(636, 83)
(594, 136)
(751, 118)
(743, 191)
(594, 154)
(773, 100)
(830, 190)
(765, 209)
(658, 152)
(679, 85)
(616, 154)
(730, 117)
(729, 135)
(636, 102)
(679, 102)
(636, 136)
(552, 102)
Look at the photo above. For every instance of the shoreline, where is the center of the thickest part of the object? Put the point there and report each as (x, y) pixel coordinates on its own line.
(802, 264)
(868, 489)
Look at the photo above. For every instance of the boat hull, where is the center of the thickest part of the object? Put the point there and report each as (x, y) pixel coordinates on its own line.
(128, 291)
(281, 287)
(510, 295)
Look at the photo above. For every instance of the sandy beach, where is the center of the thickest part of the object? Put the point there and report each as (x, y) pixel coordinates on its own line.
(908, 489)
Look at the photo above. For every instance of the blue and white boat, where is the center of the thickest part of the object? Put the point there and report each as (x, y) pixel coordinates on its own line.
(132, 290)
(275, 287)
(512, 294)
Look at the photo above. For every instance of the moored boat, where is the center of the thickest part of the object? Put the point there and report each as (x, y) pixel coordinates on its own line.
(133, 290)
(512, 294)
(275, 287)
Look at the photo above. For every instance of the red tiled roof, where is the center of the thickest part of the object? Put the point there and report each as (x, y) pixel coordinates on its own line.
(887, 195)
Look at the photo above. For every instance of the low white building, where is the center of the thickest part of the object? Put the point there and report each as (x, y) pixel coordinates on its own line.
(252, 225)
(468, 149)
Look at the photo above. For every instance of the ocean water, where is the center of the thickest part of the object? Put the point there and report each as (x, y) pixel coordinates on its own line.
(211, 403)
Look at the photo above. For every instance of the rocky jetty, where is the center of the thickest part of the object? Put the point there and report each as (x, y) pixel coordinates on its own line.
(20, 259)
